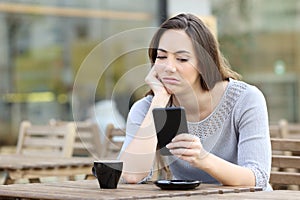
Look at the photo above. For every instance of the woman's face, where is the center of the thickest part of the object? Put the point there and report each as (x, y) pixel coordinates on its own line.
(176, 63)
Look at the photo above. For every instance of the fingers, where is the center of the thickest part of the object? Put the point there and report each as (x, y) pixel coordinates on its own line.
(184, 141)
(186, 137)
(152, 79)
(152, 75)
(183, 144)
(180, 152)
(187, 147)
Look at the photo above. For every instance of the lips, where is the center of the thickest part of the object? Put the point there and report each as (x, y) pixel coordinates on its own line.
(170, 80)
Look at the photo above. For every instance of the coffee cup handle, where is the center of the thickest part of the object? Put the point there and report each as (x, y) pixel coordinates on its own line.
(94, 172)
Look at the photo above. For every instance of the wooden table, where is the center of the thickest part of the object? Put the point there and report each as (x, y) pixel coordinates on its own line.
(89, 190)
(273, 195)
(15, 167)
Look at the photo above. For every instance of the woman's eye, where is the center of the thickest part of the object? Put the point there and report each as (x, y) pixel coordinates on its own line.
(182, 59)
(161, 57)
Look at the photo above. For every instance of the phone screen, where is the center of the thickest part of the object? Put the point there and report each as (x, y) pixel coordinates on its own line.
(168, 122)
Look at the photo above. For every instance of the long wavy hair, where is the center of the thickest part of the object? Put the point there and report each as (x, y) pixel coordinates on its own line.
(212, 66)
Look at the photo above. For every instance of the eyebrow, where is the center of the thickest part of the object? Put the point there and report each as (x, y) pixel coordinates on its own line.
(177, 52)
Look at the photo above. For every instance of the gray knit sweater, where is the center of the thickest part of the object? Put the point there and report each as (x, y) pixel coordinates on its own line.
(236, 131)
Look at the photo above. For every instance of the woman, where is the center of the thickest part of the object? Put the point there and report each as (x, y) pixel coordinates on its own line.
(228, 140)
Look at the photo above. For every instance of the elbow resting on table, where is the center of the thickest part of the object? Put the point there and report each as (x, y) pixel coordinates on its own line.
(131, 179)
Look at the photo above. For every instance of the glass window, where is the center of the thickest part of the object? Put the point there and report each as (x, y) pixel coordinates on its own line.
(43, 46)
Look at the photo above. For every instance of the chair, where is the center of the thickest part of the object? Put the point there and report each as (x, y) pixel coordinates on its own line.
(275, 130)
(288, 164)
(113, 141)
(88, 142)
(291, 130)
(46, 140)
(87, 139)
(279, 129)
(284, 129)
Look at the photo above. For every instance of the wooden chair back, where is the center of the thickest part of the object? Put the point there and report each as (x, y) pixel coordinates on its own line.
(87, 139)
(275, 130)
(284, 129)
(291, 130)
(46, 140)
(113, 141)
(287, 165)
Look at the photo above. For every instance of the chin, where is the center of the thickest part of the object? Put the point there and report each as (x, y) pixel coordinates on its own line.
(170, 91)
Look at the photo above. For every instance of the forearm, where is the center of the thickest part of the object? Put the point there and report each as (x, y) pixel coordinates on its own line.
(139, 155)
(227, 173)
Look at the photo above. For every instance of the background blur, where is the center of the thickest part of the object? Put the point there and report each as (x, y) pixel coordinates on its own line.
(44, 42)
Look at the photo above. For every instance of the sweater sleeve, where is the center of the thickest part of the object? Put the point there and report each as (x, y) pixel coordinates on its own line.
(254, 147)
(135, 118)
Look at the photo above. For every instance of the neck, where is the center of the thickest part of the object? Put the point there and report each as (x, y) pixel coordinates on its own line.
(195, 104)
(199, 104)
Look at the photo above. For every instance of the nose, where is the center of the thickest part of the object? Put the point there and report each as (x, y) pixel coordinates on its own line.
(170, 65)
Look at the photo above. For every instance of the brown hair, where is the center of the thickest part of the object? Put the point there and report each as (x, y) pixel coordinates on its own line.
(212, 66)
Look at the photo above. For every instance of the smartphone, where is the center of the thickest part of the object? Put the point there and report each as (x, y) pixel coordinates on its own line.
(168, 123)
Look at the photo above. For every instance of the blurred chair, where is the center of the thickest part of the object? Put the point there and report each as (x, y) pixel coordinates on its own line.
(87, 139)
(88, 142)
(113, 141)
(289, 130)
(286, 164)
(46, 140)
(284, 129)
(275, 130)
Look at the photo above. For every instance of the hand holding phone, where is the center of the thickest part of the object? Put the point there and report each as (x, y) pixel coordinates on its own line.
(168, 123)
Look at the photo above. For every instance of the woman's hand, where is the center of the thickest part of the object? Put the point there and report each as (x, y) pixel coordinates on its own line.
(154, 83)
(189, 148)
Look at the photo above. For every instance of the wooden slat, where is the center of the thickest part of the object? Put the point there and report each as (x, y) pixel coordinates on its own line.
(49, 172)
(33, 167)
(46, 140)
(283, 144)
(39, 152)
(89, 190)
(294, 128)
(286, 161)
(266, 195)
(87, 141)
(286, 178)
(41, 131)
(79, 145)
(284, 129)
(84, 135)
(274, 130)
(285, 167)
(112, 145)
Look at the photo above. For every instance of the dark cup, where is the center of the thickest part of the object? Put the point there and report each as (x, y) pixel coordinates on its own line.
(108, 173)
